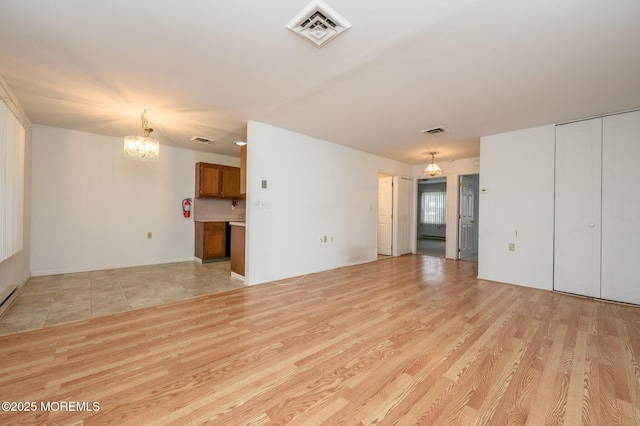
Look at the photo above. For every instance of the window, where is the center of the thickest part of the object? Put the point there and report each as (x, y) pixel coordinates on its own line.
(12, 136)
(434, 208)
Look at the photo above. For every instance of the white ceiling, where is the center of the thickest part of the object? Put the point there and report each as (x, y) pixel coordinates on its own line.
(206, 67)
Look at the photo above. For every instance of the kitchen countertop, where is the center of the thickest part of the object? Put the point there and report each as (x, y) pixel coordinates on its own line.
(237, 223)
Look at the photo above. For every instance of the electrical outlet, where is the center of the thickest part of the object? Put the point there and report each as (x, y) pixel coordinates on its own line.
(149, 235)
(512, 247)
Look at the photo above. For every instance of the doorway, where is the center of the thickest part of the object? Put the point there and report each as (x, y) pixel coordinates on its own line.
(469, 207)
(432, 217)
(395, 207)
(385, 216)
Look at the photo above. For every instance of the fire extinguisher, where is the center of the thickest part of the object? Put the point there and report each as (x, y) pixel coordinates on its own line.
(186, 207)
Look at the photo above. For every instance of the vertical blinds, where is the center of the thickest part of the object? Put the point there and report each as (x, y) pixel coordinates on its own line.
(12, 140)
(434, 208)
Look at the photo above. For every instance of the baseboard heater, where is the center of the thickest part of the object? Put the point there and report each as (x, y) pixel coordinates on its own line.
(7, 298)
(432, 237)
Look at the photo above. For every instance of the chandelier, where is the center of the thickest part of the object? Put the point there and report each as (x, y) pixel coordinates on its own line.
(432, 169)
(142, 147)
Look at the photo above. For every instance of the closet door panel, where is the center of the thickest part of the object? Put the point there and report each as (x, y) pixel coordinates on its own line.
(577, 208)
(621, 207)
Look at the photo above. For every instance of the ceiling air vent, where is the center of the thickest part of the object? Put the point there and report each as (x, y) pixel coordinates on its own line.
(318, 23)
(435, 130)
(200, 139)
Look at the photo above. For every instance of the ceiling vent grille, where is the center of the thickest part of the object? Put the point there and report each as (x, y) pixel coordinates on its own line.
(200, 139)
(318, 23)
(435, 130)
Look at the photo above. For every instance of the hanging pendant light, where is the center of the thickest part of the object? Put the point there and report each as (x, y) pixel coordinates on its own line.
(142, 147)
(432, 169)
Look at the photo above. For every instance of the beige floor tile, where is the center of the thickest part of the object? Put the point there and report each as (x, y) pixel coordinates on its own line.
(69, 295)
(67, 316)
(58, 299)
(78, 276)
(17, 321)
(104, 280)
(65, 307)
(174, 293)
(38, 287)
(30, 302)
(143, 291)
(106, 273)
(106, 298)
(144, 302)
(100, 308)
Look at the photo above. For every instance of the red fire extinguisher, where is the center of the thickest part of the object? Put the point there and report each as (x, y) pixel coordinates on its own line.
(186, 207)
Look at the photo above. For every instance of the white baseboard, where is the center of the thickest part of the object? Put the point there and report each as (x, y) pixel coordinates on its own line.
(237, 276)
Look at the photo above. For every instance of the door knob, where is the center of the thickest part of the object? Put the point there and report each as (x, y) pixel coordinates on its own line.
(592, 225)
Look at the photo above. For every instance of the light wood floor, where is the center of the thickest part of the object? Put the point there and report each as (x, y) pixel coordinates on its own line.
(410, 340)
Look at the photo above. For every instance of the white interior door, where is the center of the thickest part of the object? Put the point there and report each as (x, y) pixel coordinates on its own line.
(466, 219)
(405, 198)
(385, 209)
(577, 240)
(621, 208)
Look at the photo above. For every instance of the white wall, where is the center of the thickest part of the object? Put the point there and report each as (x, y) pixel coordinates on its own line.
(314, 189)
(517, 194)
(92, 209)
(15, 270)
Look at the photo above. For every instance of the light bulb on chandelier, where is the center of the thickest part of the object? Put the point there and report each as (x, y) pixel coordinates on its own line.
(142, 147)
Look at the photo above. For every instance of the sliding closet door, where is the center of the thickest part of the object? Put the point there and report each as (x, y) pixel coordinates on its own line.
(577, 208)
(621, 208)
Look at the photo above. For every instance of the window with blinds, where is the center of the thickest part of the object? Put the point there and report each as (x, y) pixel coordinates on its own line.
(434, 208)
(12, 140)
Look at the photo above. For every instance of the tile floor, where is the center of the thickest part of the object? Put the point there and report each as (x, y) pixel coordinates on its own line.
(431, 247)
(436, 248)
(58, 299)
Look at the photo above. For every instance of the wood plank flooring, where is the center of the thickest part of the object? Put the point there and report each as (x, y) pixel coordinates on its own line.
(409, 340)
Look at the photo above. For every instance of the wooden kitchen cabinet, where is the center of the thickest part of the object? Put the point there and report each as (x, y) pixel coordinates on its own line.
(237, 249)
(230, 182)
(208, 180)
(211, 240)
(217, 181)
